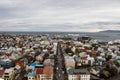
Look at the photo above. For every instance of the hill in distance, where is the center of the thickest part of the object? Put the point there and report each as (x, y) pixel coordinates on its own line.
(111, 31)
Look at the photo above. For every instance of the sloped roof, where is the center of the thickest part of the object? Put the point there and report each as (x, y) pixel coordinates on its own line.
(78, 71)
(31, 73)
(48, 70)
(2, 72)
(33, 64)
(39, 71)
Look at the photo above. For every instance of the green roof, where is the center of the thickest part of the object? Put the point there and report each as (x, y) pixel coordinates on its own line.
(118, 61)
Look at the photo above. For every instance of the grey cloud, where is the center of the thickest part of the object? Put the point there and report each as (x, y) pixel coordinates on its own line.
(60, 15)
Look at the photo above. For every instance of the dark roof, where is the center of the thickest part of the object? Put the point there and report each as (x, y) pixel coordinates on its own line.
(78, 71)
(94, 77)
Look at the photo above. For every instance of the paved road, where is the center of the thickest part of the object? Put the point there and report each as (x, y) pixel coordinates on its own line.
(59, 68)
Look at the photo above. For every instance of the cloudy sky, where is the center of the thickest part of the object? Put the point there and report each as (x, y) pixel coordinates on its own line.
(59, 15)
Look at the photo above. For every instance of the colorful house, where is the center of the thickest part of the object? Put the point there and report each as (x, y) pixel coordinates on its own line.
(31, 75)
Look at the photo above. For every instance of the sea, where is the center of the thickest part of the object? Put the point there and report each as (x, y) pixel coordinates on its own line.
(100, 36)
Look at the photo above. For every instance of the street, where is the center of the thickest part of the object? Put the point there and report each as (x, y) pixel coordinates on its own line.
(59, 68)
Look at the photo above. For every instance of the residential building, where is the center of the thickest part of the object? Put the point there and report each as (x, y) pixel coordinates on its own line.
(39, 73)
(69, 61)
(1, 73)
(45, 73)
(31, 75)
(78, 74)
(9, 74)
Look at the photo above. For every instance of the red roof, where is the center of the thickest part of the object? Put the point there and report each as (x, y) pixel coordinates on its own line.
(7, 54)
(20, 63)
(48, 70)
(2, 72)
(83, 58)
(39, 71)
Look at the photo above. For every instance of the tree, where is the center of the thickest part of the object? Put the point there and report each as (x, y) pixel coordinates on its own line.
(109, 57)
(68, 50)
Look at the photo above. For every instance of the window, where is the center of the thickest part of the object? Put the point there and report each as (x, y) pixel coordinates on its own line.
(6, 76)
(33, 78)
(6, 73)
(84, 75)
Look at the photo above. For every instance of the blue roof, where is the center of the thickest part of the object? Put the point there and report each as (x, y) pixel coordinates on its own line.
(33, 64)
(31, 73)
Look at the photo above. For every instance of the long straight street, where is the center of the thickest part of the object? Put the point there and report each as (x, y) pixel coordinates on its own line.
(59, 68)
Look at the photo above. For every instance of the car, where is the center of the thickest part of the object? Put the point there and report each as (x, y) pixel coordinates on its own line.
(57, 68)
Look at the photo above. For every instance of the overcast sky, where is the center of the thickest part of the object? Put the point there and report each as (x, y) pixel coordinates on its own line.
(59, 15)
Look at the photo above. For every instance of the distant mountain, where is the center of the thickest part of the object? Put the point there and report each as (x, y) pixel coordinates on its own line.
(113, 31)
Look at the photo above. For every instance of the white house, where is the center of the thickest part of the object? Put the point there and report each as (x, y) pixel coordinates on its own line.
(78, 74)
(8, 74)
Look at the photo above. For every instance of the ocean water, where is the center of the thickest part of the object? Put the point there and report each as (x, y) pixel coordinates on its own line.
(105, 36)
(101, 36)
